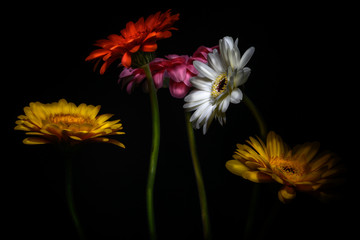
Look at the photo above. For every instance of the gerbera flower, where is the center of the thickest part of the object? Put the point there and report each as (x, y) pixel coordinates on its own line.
(65, 122)
(140, 36)
(299, 169)
(177, 69)
(217, 83)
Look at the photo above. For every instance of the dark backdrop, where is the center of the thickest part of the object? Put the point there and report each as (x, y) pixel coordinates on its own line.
(300, 81)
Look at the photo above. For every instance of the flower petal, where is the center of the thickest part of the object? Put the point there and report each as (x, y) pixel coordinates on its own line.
(35, 141)
(197, 95)
(201, 83)
(126, 60)
(236, 96)
(205, 70)
(286, 194)
(246, 57)
(178, 89)
(237, 168)
(215, 61)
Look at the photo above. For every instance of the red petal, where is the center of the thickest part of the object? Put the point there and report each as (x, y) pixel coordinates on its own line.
(97, 53)
(135, 49)
(149, 47)
(166, 34)
(126, 60)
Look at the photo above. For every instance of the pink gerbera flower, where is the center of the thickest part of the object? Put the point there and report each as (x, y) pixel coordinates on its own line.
(176, 69)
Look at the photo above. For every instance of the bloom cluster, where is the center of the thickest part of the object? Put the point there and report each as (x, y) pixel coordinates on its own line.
(139, 36)
(214, 76)
(174, 69)
(208, 81)
(217, 83)
(63, 122)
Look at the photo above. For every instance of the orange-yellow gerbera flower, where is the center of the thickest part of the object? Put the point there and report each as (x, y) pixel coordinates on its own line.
(297, 169)
(63, 122)
(139, 36)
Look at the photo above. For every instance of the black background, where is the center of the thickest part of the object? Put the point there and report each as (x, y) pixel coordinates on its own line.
(300, 81)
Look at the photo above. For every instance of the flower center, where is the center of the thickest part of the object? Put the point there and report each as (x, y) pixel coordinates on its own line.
(290, 171)
(219, 85)
(68, 119)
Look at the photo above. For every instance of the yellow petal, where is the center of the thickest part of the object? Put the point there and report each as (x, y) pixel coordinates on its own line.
(35, 133)
(241, 170)
(22, 128)
(257, 177)
(286, 194)
(104, 117)
(117, 143)
(306, 151)
(75, 138)
(93, 111)
(236, 167)
(35, 141)
(258, 146)
(320, 162)
(275, 145)
(118, 133)
(330, 172)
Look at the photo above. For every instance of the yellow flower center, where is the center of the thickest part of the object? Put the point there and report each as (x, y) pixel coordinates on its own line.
(290, 171)
(68, 119)
(219, 85)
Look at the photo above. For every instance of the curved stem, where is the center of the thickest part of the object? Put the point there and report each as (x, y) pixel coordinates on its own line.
(70, 197)
(154, 152)
(258, 117)
(199, 179)
(256, 189)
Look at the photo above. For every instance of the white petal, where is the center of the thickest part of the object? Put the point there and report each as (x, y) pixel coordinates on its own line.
(215, 61)
(208, 120)
(225, 45)
(236, 96)
(201, 84)
(191, 106)
(204, 115)
(229, 41)
(241, 76)
(205, 70)
(247, 72)
(199, 111)
(224, 104)
(246, 57)
(197, 95)
(221, 117)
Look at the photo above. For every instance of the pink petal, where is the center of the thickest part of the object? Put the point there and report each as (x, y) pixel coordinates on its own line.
(201, 53)
(126, 72)
(177, 73)
(187, 78)
(158, 79)
(178, 89)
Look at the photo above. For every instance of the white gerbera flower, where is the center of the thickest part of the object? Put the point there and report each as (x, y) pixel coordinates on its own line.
(217, 83)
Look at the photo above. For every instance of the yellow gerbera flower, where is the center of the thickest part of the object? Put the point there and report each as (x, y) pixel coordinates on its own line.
(297, 169)
(65, 122)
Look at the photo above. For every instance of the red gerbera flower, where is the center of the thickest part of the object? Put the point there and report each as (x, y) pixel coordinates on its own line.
(139, 36)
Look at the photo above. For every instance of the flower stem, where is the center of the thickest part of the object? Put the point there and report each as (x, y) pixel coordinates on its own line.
(199, 179)
(154, 152)
(70, 197)
(256, 189)
(257, 115)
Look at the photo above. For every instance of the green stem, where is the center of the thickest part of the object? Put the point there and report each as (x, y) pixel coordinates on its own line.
(257, 115)
(70, 197)
(154, 152)
(256, 189)
(199, 179)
